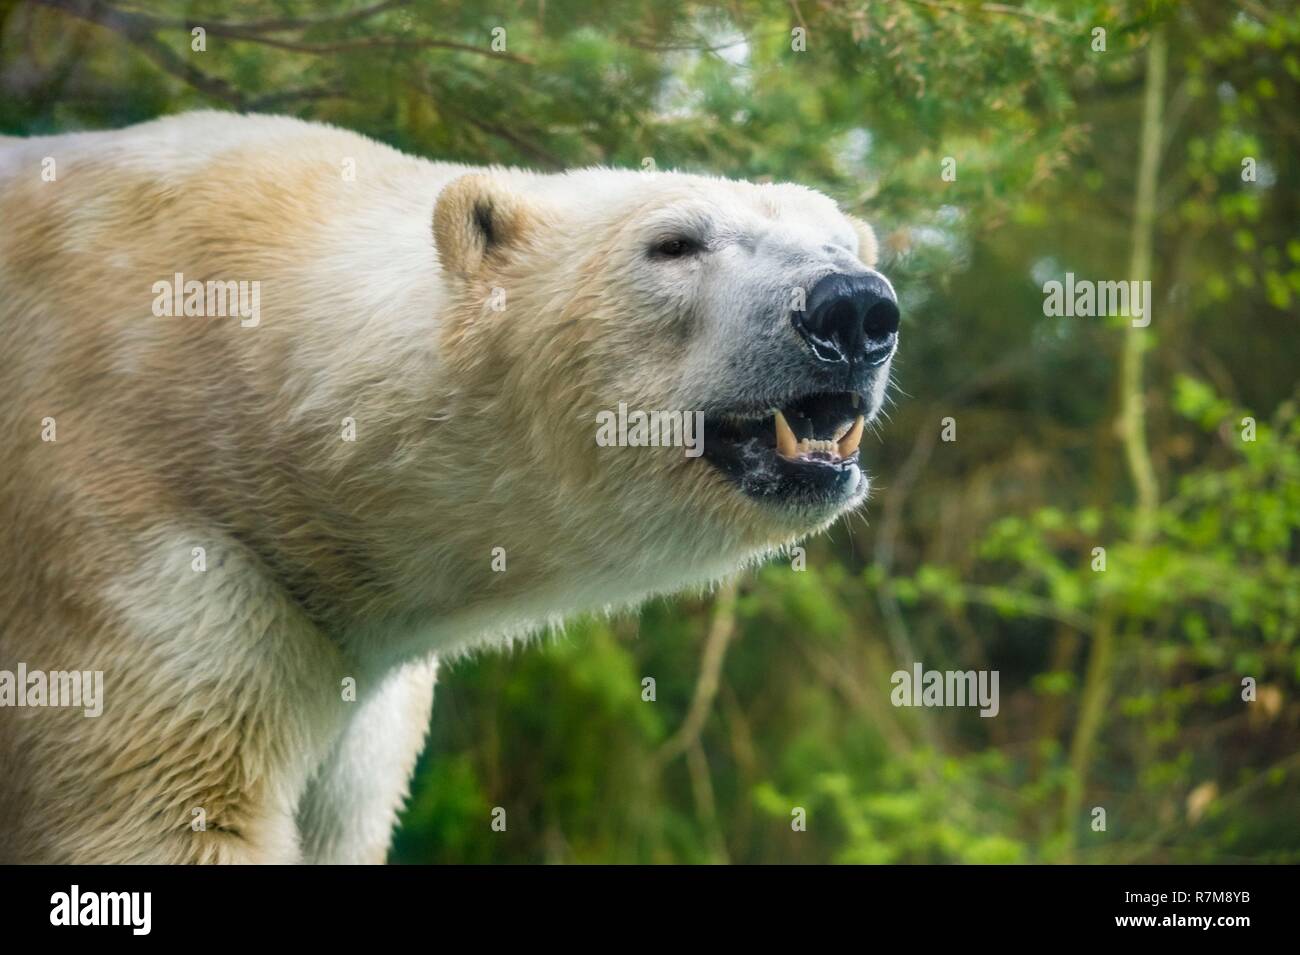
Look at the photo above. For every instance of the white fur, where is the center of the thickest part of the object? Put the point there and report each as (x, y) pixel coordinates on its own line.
(330, 559)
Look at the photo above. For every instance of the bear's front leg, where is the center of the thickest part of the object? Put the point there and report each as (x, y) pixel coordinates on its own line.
(352, 803)
(220, 699)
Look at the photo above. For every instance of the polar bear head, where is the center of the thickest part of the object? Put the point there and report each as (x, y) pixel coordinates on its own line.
(653, 304)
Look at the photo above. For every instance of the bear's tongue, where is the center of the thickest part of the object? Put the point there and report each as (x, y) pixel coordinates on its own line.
(834, 417)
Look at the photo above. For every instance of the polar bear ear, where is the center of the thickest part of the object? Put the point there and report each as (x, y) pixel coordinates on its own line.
(868, 248)
(476, 216)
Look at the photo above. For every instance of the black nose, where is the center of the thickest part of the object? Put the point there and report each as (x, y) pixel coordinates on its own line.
(850, 318)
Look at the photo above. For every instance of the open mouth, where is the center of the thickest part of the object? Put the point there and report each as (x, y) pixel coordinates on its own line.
(802, 452)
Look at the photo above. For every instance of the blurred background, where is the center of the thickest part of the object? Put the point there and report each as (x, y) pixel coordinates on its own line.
(995, 146)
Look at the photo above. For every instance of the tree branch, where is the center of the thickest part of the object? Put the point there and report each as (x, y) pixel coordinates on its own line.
(1097, 682)
(999, 8)
(721, 630)
(139, 30)
(135, 29)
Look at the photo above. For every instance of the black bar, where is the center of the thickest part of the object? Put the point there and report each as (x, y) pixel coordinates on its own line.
(440, 904)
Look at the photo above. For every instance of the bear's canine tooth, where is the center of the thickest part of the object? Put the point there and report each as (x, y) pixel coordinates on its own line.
(849, 443)
(786, 444)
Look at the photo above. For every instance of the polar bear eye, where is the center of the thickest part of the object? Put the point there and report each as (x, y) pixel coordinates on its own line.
(676, 248)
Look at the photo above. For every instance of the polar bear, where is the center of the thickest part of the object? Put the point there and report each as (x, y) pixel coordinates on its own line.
(289, 414)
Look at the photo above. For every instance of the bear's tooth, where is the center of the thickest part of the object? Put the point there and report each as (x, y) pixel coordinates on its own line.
(786, 444)
(849, 443)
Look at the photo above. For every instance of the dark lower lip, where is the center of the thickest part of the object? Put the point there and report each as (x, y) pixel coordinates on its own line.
(744, 449)
(755, 468)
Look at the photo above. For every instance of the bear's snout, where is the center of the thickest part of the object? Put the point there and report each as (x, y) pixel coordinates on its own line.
(851, 318)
